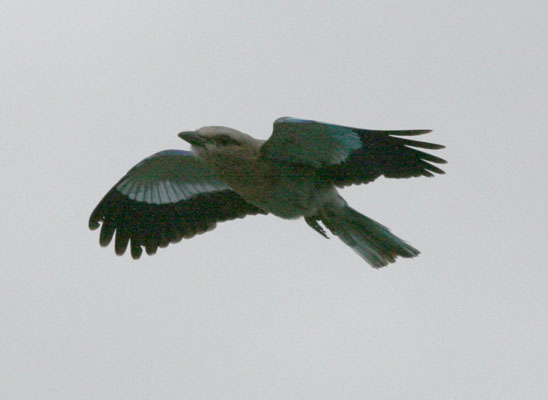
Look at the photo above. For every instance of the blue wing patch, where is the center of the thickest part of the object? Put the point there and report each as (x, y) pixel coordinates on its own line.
(310, 142)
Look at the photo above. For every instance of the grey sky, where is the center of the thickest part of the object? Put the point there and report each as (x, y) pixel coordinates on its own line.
(262, 307)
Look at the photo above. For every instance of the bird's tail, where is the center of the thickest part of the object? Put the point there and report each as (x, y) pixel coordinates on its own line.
(371, 240)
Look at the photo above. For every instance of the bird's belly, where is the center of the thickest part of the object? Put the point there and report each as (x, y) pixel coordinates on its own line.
(289, 197)
(287, 191)
(284, 205)
(276, 200)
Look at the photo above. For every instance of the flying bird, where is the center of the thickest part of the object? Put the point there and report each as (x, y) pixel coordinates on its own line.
(177, 194)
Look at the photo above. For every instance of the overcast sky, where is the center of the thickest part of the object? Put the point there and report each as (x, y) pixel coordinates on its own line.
(263, 308)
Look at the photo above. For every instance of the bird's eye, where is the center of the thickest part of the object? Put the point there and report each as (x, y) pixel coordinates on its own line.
(225, 140)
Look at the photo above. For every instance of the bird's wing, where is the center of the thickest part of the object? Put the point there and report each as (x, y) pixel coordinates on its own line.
(310, 142)
(350, 155)
(165, 197)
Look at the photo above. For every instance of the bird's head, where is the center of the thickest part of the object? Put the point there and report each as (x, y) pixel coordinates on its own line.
(218, 140)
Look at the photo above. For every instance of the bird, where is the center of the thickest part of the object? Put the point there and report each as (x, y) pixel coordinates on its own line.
(228, 174)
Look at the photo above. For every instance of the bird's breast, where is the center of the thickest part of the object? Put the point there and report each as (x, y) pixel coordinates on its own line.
(288, 191)
(252, 180)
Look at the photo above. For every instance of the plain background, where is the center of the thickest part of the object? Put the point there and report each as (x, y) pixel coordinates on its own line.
(262, 307)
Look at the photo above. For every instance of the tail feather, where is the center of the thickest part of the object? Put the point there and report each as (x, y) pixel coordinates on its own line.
(369, 239)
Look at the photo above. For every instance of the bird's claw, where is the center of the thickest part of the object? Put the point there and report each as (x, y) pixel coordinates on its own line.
(313, 223)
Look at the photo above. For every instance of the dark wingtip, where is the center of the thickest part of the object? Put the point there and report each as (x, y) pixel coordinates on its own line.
(136, 250)
(93, 222)
(411, 132)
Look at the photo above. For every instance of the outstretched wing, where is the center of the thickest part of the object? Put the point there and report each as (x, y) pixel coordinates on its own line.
(166, 197)
(310, 142)
(350, 155)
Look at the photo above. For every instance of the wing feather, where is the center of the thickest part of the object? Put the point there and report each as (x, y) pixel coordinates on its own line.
(383, 153)
(166, 197)
(309, 142)
(348, 155)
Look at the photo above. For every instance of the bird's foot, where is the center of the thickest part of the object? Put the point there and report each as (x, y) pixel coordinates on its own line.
(313, 223)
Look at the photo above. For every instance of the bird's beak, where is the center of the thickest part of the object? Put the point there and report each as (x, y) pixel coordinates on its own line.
(192, 137)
